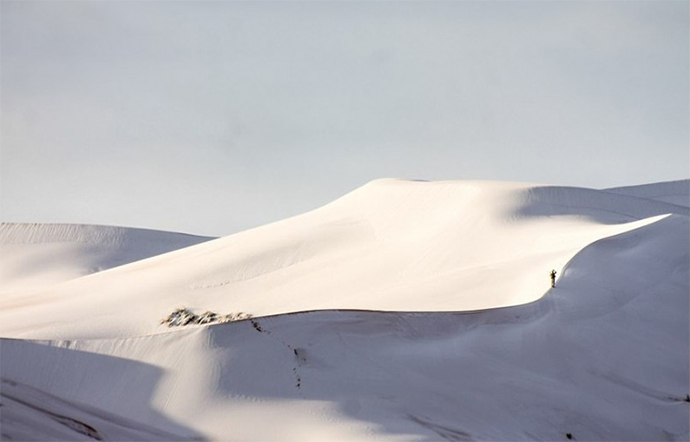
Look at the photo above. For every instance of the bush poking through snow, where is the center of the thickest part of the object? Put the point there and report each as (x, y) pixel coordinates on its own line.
(183, 316)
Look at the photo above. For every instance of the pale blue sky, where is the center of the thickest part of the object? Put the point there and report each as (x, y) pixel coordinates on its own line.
(213, 117)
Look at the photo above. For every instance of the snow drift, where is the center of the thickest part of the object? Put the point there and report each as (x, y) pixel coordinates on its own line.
(604, 356)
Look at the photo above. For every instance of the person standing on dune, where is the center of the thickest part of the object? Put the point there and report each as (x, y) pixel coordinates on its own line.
(553, 278)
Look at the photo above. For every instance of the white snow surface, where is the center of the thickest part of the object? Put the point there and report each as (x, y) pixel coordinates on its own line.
(39, 255)
(402, 311)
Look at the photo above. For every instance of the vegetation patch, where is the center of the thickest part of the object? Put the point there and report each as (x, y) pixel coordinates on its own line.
(183, 316)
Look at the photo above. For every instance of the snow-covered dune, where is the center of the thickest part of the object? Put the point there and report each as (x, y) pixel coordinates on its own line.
(390, 245)
(603, 357)
(38, 255)
(426, 356)
(674, 192)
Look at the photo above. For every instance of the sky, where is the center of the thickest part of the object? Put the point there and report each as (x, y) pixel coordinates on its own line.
(211, 117)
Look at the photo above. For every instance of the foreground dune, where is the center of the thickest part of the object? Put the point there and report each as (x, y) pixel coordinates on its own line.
(603, 356)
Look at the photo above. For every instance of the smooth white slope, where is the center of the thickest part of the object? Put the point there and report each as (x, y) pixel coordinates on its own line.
(390, 245)
(36, 256)
(603, 357)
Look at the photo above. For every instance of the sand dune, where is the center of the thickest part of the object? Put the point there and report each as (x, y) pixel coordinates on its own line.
(674, 192)
(603, 356)
(463, 245)
(39, 255)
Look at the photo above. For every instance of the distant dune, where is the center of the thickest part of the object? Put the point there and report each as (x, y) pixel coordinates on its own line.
(404, 310)
(44, 254)
(674, 192)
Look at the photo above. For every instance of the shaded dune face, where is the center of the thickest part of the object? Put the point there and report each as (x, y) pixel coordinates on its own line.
(673, 192)
(464, 246)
